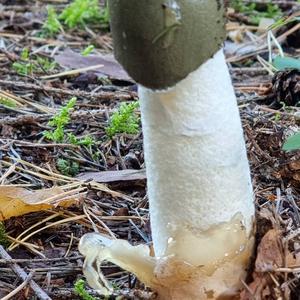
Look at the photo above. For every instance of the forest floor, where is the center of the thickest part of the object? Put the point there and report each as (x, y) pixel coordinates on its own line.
(69, 165)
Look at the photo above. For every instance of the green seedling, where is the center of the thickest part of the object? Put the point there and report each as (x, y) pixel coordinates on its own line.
(273, 12)
(46, 64)
(7, 102)
(25, 54)
(86, 141)
(80, 290)
(67, 167)
(52, 25)
(24, 67)
(250, 10)
(88, 50)
(59, 122)
(277, 117)
(124, 120)
(27, 66)
(83, 12)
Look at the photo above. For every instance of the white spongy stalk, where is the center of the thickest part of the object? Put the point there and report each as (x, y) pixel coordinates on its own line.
(197, 168)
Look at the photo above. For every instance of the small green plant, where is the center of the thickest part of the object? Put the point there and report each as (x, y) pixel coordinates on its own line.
(80, 290)
(3, 236)
(250, 10)
(82, 12)
(67, 167)
(27, 66)
(45, 63)
(86, 141)
(24, 66)
(88, 50)
(7, 102)
(240, 6)
(52, 25)
(25, 54)
(273, 12)
(59, 121)
(124, 120)
(277, 117)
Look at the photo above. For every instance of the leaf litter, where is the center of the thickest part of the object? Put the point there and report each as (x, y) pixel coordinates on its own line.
(50, 209)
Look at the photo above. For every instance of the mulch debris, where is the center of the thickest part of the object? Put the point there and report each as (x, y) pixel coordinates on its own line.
(110, 173)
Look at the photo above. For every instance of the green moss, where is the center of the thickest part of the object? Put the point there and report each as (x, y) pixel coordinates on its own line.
(45, 63)
(28, 65)
(82, 12)
(87, 51)
(250, 9)
(67, 167)
(7, 102)
(59, 121)
(86, 141)
(24, 66)
(52, 25)
(124, 120)
(80, 290)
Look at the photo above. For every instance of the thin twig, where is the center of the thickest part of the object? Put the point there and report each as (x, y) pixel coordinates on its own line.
(19, 288)
(23, 275)
(75, 93)
(39, 260)
(37, 118)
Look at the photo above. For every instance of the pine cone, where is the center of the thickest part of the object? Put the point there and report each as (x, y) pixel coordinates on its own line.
(286, 87)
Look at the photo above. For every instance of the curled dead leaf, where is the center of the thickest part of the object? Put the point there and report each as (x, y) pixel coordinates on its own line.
(110, 67)
(16, 201)
(269, 252)
(270, 256)
(256, 289)
(295, 165)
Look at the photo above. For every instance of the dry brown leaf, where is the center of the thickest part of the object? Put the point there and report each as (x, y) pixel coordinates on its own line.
(255, 289)
(270, 256)
(290, 260)
(295, 165)
(16, 201)
(269, 252)
(111, 67)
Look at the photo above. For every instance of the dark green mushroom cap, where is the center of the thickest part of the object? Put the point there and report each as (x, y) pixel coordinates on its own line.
(159, 42)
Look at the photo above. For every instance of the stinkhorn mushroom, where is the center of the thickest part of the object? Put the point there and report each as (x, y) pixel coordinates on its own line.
(199, 186)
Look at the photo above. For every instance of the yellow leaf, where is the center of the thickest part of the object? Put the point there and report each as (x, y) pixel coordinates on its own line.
(16, 201)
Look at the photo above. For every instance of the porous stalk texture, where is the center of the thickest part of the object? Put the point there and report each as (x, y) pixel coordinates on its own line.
(197, 168)
(199, 190)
